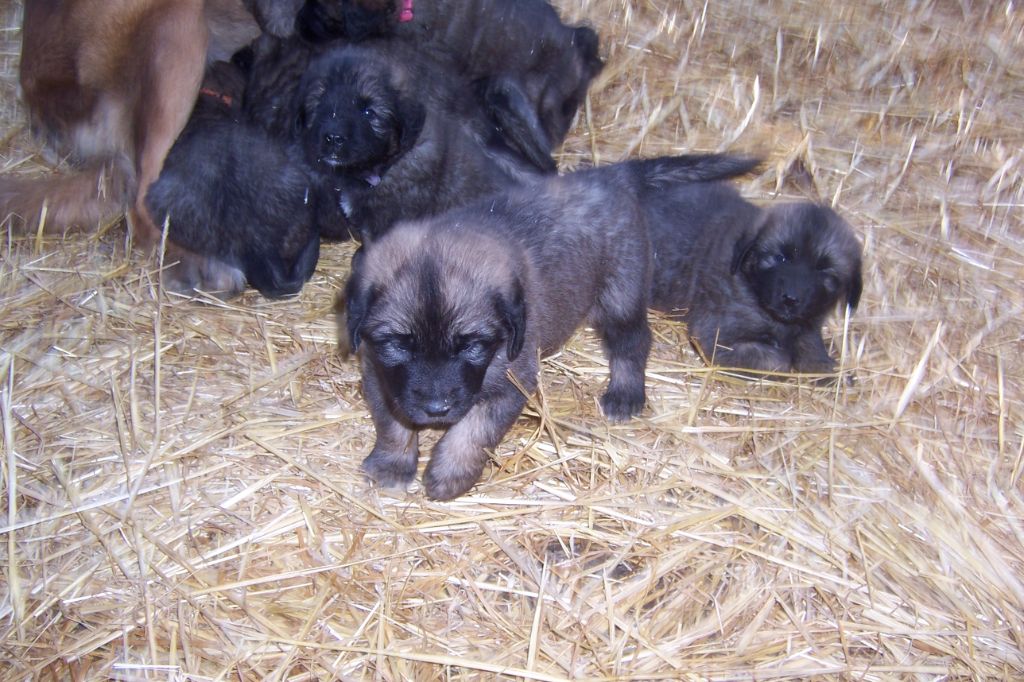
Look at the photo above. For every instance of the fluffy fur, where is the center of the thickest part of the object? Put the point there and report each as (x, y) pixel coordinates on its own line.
(531, 69)
(394, 135)
(442, 310)
(230, 191)
(754, 285)
(110, 86)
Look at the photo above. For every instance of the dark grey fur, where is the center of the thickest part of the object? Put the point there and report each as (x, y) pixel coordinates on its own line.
(276, 17)
(395, 135)
(754, 285)
(445, 308)
(230, 191)
(531, 69)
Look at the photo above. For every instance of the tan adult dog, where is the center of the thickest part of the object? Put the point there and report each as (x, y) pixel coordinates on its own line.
(110, 84)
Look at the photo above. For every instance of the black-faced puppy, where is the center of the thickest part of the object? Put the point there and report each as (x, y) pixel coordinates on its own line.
(443, 310)
(395, 134)
(753, 284)
(531, 69)
(231, 192)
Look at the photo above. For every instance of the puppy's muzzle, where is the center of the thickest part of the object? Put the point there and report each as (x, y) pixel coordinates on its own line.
(332, 148)
(793, 293)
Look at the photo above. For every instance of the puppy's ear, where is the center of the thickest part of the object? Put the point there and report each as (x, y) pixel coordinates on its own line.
(512, 312)
(854, 288)
(742, 249)
(411, 117)
(357, 300)
(750, 238)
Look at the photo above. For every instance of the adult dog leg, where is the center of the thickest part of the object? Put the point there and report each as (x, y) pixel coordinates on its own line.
(169, 73)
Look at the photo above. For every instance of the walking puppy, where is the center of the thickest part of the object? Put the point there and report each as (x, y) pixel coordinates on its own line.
(754, 285)
(443, 309)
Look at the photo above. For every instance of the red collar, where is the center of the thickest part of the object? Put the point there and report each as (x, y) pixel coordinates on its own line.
(406, 13)
(226, 100)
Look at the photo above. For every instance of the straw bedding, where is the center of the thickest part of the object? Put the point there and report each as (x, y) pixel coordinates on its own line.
(180, 483)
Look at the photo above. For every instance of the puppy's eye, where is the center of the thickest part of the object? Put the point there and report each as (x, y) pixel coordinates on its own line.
(367, 109)
(474, 348)
(394, 349)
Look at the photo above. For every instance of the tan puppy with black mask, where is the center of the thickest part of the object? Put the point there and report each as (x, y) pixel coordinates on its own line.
(443, 310)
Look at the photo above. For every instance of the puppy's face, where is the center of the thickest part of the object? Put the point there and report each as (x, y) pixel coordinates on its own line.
(351, 118)
(432, 322)
(800, 262)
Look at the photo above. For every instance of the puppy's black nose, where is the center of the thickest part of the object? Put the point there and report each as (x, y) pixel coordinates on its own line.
(438, 407)
(334, 139)
(790, 299)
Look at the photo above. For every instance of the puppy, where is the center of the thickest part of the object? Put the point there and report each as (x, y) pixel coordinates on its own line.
(443, 310)
(111, 85)
(230, 191)
(394, 135)
(754, 285)
(531, 70)
(275, 17)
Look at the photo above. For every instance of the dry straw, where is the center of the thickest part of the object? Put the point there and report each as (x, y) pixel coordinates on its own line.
(181, 493)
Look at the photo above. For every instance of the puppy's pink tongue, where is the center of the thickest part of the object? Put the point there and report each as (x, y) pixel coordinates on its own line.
(373, 179)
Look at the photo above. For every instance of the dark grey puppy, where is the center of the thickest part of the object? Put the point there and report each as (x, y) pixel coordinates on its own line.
(531, 69)
(229, 191)
(754, 285)
(276, 17)
(395, 135)
(444, 309)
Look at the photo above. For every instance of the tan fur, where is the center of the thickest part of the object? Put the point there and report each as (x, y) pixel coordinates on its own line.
(111, 83)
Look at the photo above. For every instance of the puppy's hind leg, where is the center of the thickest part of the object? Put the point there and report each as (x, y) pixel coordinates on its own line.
(628, 343)
(622, 321)
(392, 462)
(459, 457)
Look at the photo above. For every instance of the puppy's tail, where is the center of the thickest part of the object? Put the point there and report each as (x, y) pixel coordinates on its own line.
(690, 168)
(59, 202)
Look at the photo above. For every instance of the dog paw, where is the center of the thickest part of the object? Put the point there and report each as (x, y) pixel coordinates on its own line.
(619, 406)
(390, 470)
(445, 482)
(187, 272)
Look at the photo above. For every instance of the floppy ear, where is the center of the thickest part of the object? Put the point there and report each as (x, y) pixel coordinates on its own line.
(411, 117)
(358, 298)
(741, 250)
(854, 289)
(512, 311)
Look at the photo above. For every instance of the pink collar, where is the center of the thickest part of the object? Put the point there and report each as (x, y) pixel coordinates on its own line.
(406, 13)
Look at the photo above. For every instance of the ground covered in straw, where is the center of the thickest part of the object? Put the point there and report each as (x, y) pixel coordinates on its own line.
(180, 483)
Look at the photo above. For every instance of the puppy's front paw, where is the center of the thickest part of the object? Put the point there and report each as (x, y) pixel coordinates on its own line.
(449, 477)
(620, 405)
(189, 272)
(390, 469)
